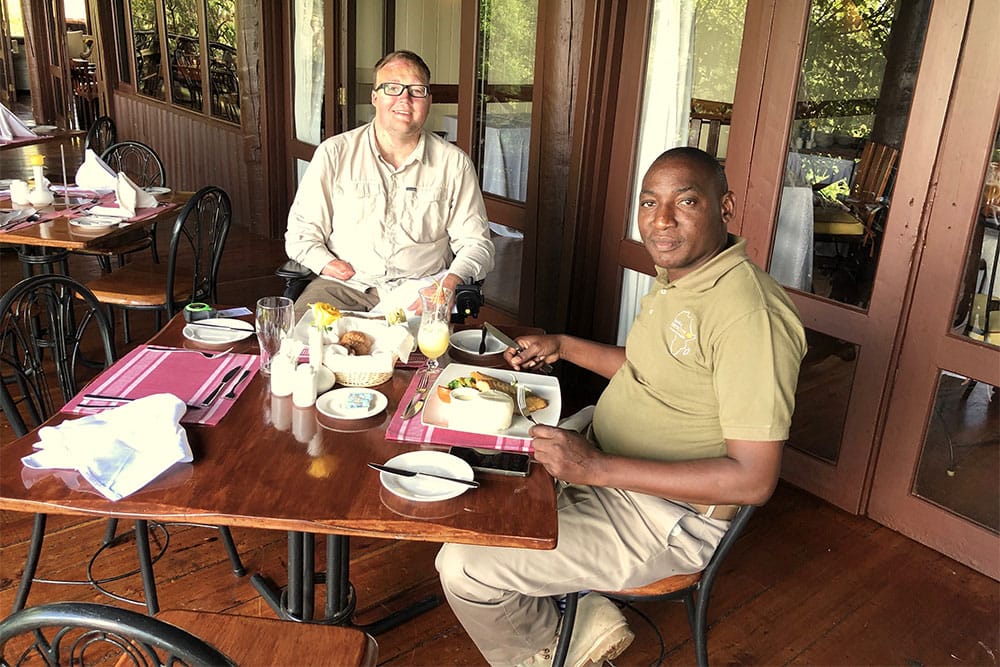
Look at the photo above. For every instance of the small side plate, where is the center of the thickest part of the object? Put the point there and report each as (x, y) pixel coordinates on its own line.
(334, 404)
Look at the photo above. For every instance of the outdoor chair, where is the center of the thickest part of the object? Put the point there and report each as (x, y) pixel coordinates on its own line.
(694, 589)
(52, 329)
(80, 633)
(101, 135)
(192, 268)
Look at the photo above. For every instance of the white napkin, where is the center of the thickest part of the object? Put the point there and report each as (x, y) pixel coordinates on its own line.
(95, 174)
(388, 344)
(130, 198)
(404, 294)
(120, 450)
(11, 126)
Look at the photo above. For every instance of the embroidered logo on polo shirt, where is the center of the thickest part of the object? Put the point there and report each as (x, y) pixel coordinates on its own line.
(683, 329)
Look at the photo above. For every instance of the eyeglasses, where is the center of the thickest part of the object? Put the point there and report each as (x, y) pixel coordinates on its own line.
(396, 89)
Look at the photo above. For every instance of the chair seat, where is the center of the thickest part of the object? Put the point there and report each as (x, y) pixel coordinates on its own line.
(259, 641)
(662, 587)
(140, 284)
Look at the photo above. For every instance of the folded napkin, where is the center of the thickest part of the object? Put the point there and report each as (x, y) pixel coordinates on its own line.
(11, 126)
(95, 174)
(120, 450)
(130, 198)
(389, 343)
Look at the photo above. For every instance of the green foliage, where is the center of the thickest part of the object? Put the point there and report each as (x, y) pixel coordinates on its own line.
(507, 30)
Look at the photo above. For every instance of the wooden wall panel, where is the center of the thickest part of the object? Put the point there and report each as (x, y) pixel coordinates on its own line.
(197, 153)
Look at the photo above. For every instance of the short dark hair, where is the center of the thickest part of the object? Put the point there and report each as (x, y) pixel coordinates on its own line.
(408, 56)
(704, 160)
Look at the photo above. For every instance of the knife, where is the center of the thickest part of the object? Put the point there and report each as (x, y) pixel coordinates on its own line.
(230, 374)
(417, 402)
(509, 342)
(220, 326)
(416, 473)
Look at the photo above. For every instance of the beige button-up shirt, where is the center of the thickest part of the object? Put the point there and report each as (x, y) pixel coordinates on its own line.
(421, 219)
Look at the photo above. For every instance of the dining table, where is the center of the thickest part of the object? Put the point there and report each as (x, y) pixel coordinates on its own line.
(267, 464)
(45, 238)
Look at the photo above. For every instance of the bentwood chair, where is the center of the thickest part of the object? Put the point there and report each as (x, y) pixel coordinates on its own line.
(694, 589)
(101, 135)
(54, 336)
(80, 633)
(192, 269)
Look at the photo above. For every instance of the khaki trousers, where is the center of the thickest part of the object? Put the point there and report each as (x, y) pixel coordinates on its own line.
(336, 294)
(609, 539)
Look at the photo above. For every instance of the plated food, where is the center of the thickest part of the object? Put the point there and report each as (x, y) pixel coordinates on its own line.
(482, 382)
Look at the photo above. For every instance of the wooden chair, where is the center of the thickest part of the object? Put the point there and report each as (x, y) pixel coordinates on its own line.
(859, 222)
(101, 135)
(80, 633)
(48, 324)
(192, 269)
(694, 589)
(706, 123)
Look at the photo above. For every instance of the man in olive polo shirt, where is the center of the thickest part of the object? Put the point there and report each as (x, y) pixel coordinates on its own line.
(691, 425)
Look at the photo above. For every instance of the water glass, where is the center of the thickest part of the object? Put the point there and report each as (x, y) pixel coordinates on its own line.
(275, 319)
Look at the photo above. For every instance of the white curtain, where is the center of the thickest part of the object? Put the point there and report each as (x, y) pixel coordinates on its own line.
(666, 112)
(309, 66)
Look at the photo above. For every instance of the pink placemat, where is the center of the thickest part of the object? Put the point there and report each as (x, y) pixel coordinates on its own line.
(414, 430)
(187, 374)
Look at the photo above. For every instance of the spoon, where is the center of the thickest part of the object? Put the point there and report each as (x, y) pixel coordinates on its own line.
(482, 342)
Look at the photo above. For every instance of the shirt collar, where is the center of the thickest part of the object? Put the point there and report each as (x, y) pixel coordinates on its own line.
(417, 155)
(707, 275)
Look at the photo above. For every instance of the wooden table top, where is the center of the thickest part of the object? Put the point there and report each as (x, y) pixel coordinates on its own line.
(270, 465)
(59, 233)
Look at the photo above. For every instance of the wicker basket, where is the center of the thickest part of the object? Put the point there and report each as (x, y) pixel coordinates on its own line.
(357, 379)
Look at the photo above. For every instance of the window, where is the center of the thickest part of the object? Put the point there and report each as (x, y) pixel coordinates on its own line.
(198, 40)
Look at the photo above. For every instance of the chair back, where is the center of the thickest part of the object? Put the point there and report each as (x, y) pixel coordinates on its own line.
(707, 120)
(82, 633)
(874, 170)
(50, 327)
(199, 235)
(137, 161)
(101, 135)
(735, 529)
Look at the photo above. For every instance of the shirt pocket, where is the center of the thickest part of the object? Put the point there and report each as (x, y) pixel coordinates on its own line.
(357, 204)
(424, 215)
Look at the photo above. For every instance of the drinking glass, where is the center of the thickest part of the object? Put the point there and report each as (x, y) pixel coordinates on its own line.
(275, 319)
(435, 323)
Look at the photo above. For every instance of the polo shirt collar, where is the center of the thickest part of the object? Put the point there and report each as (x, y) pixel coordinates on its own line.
(706, 276)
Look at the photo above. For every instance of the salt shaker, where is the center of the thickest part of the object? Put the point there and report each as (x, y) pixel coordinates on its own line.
(304, 386)
(282, 375)
(19, 191)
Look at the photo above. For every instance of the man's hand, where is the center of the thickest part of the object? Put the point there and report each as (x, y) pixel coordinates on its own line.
(339, 269)
(535, 350)
(566, 455)
(450, 281)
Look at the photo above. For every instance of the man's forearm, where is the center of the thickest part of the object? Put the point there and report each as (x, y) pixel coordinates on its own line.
(605, 360)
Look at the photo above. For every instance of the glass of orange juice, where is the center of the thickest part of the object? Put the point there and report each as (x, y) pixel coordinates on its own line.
(435, 323)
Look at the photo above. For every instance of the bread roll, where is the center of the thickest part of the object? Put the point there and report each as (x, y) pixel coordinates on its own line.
(357, 342)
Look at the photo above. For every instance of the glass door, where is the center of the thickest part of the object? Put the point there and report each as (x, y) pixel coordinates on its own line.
(938, 466)
(859, 135)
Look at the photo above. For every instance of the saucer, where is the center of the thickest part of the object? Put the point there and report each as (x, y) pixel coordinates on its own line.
(427, 489)
(335, 404)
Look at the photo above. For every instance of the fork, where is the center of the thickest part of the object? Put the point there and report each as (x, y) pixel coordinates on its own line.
(207, 355)
(522, 403)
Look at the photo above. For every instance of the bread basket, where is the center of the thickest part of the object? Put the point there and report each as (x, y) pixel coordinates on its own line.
(362, 378)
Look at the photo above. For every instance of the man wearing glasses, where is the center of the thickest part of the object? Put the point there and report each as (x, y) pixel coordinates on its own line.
(383, 209)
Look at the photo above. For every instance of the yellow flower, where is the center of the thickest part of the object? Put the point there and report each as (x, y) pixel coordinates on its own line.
(324, 314)
(36, 160)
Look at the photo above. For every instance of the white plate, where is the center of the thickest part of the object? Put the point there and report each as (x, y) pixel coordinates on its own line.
(215, 336)
(427, 489)
(95, 221)
(435, 412)
(156, 190)
(334, 403)
(468, 342)
(44, 129)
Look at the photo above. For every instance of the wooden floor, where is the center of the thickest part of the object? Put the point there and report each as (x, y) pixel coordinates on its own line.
(808, 584)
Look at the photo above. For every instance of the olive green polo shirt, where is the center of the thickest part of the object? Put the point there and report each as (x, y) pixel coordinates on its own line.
(712, 355)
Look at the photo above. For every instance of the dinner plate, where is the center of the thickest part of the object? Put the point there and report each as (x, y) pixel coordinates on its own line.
(468, 342)
(435, 411)
(336, 403)
(211, 335)
(44, 129)
(95, 221)
(427, 489)
(156, 190)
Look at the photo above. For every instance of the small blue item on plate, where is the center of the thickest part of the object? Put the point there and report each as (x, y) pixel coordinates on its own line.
(359, 400)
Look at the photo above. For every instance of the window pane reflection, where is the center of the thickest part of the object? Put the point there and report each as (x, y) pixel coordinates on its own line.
(145, 36)
(824, 389)
(977, 314)
(223, 81)
(184, 47)
(853, 104)
(505, 81)
(960, 460)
